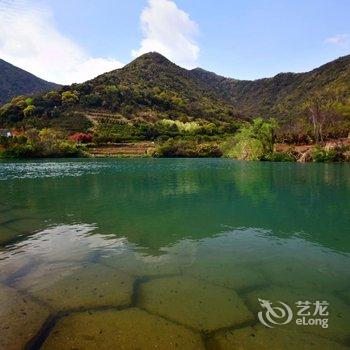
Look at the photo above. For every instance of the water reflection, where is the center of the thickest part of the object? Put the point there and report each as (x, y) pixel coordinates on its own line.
(243, 257)
(155, 203)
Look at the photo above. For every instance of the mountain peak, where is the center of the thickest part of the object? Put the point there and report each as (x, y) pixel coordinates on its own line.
(152, 57)
(15, 81)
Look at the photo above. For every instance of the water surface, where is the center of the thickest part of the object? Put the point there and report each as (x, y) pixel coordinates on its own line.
(172, 252)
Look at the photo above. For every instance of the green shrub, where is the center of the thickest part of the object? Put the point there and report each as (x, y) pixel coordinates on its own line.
(69, 149)
(209, 151)
(44, 143)
(248, 149)
(187, 127)
(69, 97)
(280, 157)
(29, 111)
(187, 149)
(320, 155)
(91, 100)
(29, 101)
(19, 151)
(253, 141)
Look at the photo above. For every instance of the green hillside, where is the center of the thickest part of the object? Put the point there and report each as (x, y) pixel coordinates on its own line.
(144, 97)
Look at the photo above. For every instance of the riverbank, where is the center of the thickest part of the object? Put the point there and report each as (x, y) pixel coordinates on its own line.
(339, 150)
(329, 151)
(134, 149)
(307, 153)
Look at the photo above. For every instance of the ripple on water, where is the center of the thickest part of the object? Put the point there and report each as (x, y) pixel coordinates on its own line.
(46, 169)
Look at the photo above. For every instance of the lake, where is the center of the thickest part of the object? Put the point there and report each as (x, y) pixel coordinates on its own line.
(174, 254)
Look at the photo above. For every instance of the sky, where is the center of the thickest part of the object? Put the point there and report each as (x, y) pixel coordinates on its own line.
(70, 41)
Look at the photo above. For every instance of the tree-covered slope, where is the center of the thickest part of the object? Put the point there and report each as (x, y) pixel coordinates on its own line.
(153, 82)
(152, 88)
(285, 95)
(15, 81)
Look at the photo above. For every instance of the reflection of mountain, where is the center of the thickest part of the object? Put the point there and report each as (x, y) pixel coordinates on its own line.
(155, 203)
(236, 258)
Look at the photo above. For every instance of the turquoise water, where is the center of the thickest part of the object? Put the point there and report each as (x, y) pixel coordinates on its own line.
(174, 253)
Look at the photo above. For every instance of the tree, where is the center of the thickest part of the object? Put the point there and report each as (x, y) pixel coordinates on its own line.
(69, 97)
(81, 137)
(265, 132)
(254, 141)
(321, 107)
(52, 99)
(29, 111)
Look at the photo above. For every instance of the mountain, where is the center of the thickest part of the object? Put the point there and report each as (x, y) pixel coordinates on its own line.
(152, 88)
(284, 95)
(15, 81)
(161, 85)
(198, 93)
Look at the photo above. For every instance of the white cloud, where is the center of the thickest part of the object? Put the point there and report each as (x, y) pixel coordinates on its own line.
(339, 39)
(30, 40)
(169, 31)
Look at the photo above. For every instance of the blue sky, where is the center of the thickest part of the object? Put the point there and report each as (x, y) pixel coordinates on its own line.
(244, 39)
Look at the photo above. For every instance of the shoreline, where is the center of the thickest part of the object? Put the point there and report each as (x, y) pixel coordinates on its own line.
(146, 149)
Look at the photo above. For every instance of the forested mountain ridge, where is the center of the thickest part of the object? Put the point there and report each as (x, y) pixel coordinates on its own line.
(284, 96)
(151, 89)
(15, 81)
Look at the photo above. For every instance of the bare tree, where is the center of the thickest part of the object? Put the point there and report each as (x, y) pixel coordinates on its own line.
(321, 110)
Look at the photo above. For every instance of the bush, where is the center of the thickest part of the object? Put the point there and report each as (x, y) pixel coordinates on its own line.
(280, 157)
(209, 151)
(187, 149)
(80, 137)
(187, 127)
(19, 151)
(320, 155)
(248, 149)
(69, 97)
(44, 143)
(254, 141)
(29, 111)
(92, 100)
(69, 149)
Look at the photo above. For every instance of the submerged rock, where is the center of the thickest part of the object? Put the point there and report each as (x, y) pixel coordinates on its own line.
(44, 275)
(226, 275)
(295, 274)
(127, 329)
(262, 338)
(20, 319)
(89, 287)
(193, 303)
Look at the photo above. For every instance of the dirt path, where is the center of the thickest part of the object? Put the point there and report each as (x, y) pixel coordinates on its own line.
(139, 149)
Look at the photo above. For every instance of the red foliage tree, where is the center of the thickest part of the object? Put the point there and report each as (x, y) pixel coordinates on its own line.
(80, 137)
